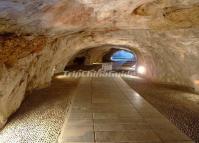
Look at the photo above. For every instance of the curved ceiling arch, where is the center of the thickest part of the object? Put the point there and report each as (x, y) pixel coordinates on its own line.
(41, 36)
(137, 52)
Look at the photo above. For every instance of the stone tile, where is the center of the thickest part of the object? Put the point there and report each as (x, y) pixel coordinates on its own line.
(77, 142)
(119, 101)
(108, 105)
(100, 100)
(105, 94)
(134, 115)
(81, 109)
(79, 122)
(121, 127)
(122, 110)
(109, 100)
(83, 93)
(88, 127)
(81, 105)
(81, 116)
(134, 142)
(104, 108)
(121, 120)
(126, 136)
(78, 135)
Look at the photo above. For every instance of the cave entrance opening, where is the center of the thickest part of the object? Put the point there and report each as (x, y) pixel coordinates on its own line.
(121, 59)
(109, 59)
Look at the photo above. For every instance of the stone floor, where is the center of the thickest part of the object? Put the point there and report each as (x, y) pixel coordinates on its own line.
(179, 105)
(107, 110)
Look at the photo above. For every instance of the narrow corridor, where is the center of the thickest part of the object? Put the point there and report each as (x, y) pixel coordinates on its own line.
(108, 110)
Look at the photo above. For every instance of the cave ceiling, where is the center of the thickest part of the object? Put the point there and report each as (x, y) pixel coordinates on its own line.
(54, 17)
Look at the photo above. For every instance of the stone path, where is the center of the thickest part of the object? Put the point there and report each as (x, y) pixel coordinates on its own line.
(107, 110)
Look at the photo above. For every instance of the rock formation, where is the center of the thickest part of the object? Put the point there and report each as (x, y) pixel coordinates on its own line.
(38, 39)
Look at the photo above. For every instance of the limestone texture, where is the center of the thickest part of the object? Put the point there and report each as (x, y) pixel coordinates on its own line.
(39, 38)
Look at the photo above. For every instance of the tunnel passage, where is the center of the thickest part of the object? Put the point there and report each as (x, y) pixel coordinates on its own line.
(164, 62)
(38, 38)
(120, 58)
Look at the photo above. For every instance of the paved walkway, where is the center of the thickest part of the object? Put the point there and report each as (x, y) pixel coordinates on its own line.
(107, 110)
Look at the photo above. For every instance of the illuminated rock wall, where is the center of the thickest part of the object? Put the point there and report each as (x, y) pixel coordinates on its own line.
(38, 38)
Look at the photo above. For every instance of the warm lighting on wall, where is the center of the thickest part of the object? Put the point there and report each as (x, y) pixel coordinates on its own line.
(60, 76)
(196, 82)
(141, 70)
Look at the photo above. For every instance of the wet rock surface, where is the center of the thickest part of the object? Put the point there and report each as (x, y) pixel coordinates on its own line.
(41, 115)
(180, 107)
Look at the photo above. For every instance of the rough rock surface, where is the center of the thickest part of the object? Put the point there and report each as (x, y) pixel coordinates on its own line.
(62, 16)
(38, 38)
(96, 54)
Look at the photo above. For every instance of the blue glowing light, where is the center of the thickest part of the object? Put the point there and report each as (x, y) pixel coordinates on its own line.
(123, 56)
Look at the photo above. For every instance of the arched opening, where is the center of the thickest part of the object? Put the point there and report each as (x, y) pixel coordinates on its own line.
(121, 58)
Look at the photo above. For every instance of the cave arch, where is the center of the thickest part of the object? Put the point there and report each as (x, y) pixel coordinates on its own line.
(121, 59)
(97, 54)
(151, 55)
(122, 55)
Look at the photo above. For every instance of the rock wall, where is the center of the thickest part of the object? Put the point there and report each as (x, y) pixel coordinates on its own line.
(30, 69)
(169, 56)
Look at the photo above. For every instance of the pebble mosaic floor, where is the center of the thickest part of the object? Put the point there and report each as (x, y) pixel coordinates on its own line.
(41, 115)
